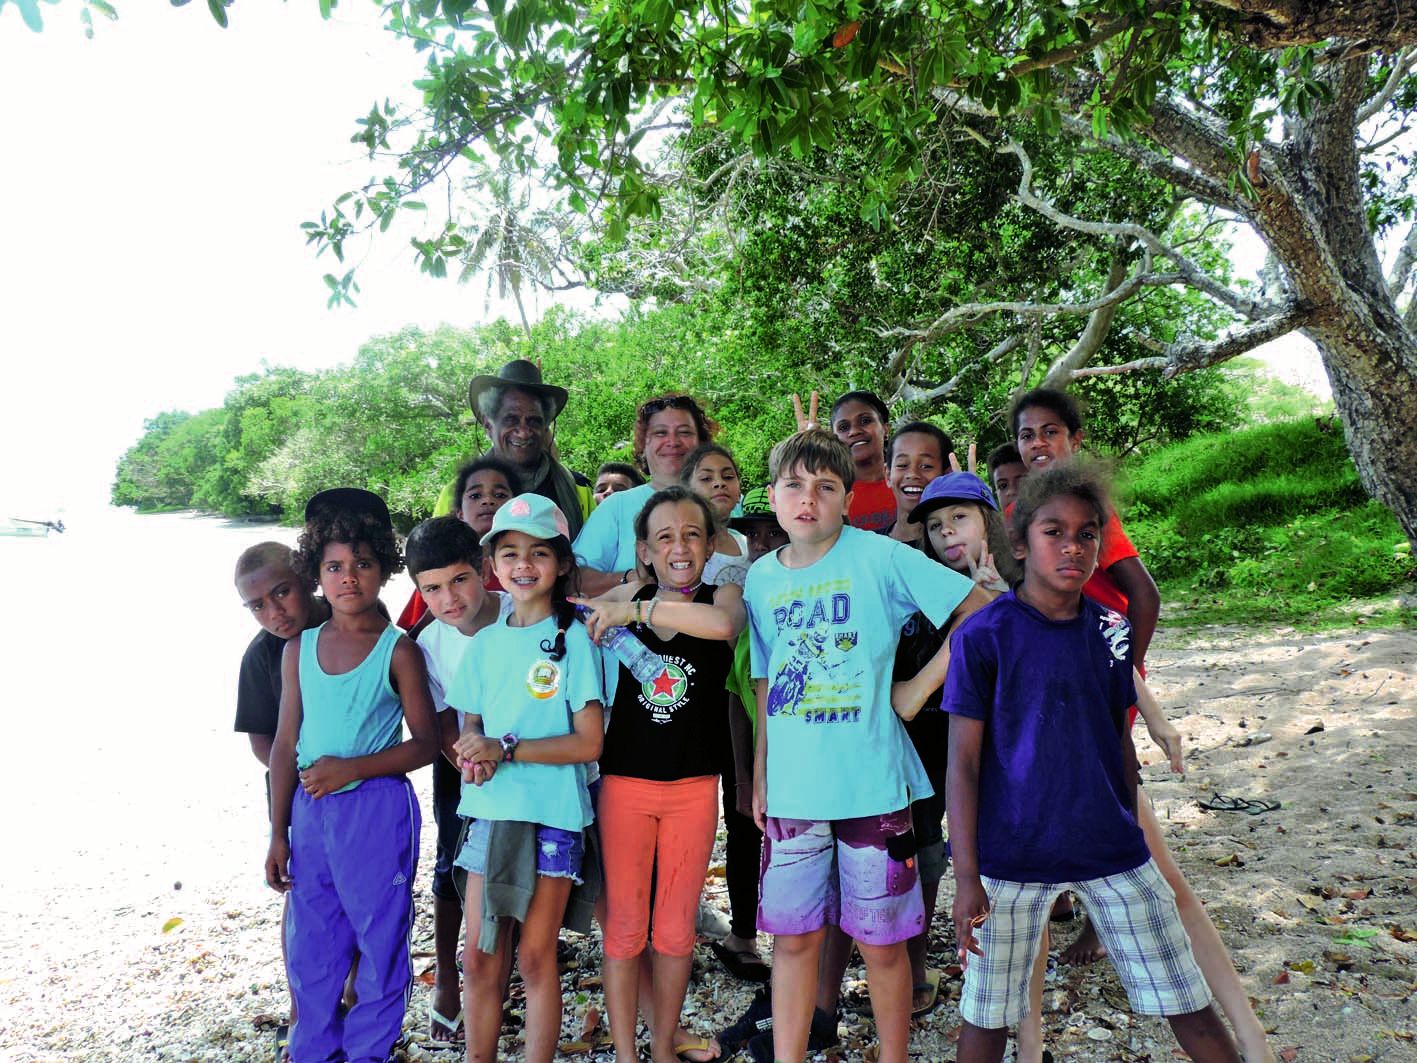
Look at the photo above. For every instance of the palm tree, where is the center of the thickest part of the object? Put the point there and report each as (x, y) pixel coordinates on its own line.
(515, 245)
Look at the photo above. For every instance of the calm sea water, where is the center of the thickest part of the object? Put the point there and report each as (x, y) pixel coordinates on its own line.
(121, 642)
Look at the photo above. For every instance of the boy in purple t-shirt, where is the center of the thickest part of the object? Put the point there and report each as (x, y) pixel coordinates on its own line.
(1041, 786)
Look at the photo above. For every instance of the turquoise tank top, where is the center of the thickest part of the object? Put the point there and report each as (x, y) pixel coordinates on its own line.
(349, 715)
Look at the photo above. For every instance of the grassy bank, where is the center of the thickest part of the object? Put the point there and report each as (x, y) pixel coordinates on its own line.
(1266, 525)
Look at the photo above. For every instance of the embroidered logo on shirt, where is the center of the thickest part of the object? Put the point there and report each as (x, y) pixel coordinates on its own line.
(543, 680)
(1117, 632)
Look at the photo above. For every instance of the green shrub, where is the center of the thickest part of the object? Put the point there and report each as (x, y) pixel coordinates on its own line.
(1270, 522)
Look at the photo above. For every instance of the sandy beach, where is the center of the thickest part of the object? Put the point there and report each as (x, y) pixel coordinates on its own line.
(135, 925)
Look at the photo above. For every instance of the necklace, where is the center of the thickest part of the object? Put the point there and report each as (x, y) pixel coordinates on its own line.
(685, 591)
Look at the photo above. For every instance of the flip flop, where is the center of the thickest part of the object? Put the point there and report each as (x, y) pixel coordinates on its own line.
(282, 1043)
(746, 966)
(931, 985)
(698, 1044)
(1250, 806)
(443, 1029)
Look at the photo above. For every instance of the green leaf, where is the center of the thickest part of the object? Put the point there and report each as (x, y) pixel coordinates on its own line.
(172, 924)
(218, 10)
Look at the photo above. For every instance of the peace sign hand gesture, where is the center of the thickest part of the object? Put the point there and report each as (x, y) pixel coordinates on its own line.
(806, 420)
(954, 461)
(983, 571)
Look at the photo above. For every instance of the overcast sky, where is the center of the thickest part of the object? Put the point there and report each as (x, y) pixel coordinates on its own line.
(153, 184)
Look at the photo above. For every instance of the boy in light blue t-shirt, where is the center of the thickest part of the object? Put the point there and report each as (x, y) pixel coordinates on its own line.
(834, 771)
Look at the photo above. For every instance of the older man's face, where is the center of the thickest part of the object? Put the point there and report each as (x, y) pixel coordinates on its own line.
(520, 432)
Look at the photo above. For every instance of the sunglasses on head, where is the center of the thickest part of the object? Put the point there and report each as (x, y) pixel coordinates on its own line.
(669, 402)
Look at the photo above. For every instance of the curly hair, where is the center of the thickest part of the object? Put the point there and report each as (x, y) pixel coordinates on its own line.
(1039, 488)
(706, 426)
(352, 528)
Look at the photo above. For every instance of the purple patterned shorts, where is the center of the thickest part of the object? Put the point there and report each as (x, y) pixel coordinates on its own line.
(858, 874)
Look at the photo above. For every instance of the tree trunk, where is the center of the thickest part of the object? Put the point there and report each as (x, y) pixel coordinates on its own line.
(1373, 372)
(1316, 224)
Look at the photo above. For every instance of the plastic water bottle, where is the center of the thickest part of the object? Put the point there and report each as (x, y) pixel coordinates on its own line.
(644, 664)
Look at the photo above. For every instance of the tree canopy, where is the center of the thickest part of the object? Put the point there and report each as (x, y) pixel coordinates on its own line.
(1286, 116)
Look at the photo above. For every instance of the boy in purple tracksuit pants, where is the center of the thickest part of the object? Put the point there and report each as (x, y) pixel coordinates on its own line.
(344, 842)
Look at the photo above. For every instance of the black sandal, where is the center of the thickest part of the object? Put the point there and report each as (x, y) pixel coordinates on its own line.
(747, 966)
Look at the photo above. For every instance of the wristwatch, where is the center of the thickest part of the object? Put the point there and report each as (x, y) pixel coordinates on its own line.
(509, 746)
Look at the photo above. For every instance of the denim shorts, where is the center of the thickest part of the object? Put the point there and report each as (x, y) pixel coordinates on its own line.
(558, 852)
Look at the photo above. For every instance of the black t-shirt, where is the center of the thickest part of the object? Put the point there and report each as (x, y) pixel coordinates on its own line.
(930, 730)
(675, 727)
(258, 686)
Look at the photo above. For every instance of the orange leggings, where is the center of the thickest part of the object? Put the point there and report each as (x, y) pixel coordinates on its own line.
(661, 832)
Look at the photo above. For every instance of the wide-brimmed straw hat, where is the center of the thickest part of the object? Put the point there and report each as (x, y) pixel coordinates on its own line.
(522, 375)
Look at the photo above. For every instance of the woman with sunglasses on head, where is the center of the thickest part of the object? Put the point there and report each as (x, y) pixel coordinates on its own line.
(667, 428)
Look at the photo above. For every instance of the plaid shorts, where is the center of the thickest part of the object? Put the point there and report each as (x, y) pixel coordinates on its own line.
(1136, 918)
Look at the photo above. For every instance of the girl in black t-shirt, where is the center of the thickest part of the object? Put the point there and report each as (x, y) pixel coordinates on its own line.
(658, 807)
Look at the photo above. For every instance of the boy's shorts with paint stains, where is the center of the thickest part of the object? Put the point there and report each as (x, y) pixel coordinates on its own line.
(858, 874)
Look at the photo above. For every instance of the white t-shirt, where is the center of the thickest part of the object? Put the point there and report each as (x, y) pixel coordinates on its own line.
(444, 650)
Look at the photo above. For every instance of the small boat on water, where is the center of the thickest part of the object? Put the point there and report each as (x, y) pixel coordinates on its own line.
(23, 528)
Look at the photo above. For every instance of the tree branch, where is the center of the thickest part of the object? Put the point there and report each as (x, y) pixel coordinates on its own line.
(1068, 53)
(1371, 25)
(1186, 356)
(1190, 181)
(1191, 273)
(1402, 267)
(908, 392)
(967, 314)
(1099, 322)
(1401, 66)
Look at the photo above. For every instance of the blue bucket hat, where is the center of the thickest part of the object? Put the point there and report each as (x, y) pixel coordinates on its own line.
(952, 487)
(535, 515)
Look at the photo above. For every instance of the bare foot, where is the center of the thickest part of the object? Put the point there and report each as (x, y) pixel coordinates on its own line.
(1086, 947)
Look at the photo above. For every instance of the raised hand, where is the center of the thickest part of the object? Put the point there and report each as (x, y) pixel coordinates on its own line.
(809, 419)
(983, 571)
(954, 461)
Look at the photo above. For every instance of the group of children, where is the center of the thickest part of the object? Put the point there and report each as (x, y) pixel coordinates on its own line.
(957, 660)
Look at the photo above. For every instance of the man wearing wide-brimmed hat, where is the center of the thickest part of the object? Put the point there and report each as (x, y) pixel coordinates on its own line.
(517, 410)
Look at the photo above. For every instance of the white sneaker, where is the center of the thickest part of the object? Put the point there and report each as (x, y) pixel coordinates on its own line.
(711, 923)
